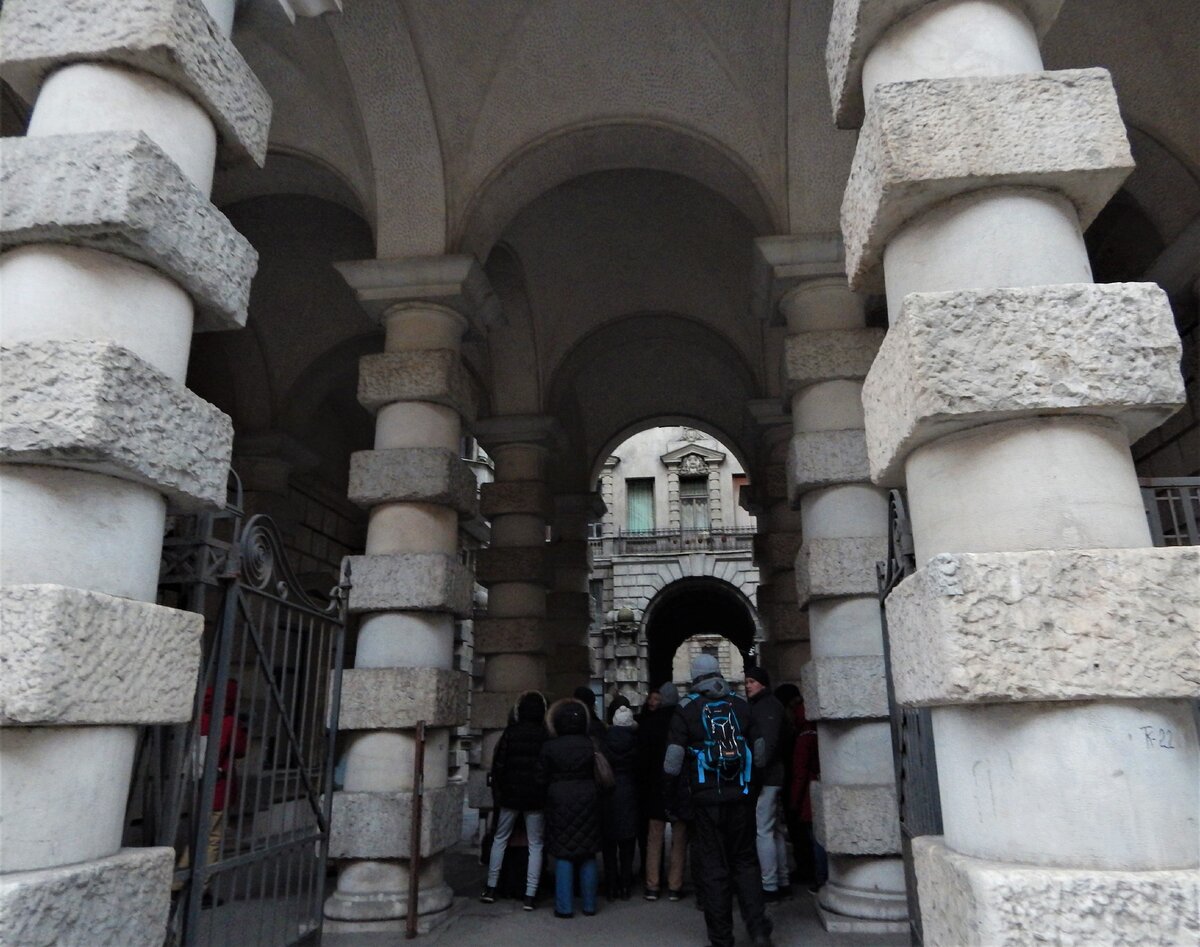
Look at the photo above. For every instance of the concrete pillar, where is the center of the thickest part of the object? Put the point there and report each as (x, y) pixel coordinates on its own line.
(408, 587)
(569, 604)
(1054, 646)
(113, 257)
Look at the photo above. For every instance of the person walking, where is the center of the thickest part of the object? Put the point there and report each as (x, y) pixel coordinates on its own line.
(517, 793)
(620, 806)
(711, 743)
(566, 772)
(652, 748)
(774, 730)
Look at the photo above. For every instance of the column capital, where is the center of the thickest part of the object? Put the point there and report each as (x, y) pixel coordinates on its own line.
(590, 504)
(532, 430)
(783, 262)
(456, 282)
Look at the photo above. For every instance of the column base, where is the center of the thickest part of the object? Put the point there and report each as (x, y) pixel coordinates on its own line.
(841, 924)
(845, 906)
(385, 910)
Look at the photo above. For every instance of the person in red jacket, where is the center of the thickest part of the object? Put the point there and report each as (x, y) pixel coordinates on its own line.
(233, 747)
(805, 769)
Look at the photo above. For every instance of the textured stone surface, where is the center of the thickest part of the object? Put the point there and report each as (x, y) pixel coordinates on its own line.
(175, 40)
(433, 375)
(928, 140)
(1048, 625)
(785, 623)
(823, 458)
(455, 282)
(516, 496)
(413, 474)
(69, 656)
(510, 635)
(96, 406)
(513, 564)
(827, 568)
(970, 902)
(119, 901)
(410, 582)
(479, 793)
(844, 688)
(857, 25)
(856, 820)
(962, 359)
(776, 552)
(811, 357)
(117, 192)
(395, 698)
(490, 710)
(377, 824)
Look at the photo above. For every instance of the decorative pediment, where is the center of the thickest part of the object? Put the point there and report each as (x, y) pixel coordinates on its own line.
(692, 458)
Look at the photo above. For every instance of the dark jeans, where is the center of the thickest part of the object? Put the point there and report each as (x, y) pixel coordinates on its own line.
(564, 884)
(725, 862)
(618, 878)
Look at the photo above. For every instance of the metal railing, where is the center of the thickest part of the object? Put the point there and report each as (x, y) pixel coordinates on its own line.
(1173, 510)
(673, 541)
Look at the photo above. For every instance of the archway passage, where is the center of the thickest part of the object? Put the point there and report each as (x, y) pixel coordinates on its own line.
(692, 607)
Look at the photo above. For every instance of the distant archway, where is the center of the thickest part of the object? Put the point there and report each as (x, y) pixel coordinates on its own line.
(696, 606)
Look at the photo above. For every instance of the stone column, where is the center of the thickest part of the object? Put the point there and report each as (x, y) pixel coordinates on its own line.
(409, 586)
(113, 257)
(674, 515)
(1057, 650)
(516, 569)
(716, 514)
(568, 604)
(607, 496)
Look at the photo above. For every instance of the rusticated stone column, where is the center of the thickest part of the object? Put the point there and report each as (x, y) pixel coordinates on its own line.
(409, 586)
(568, 604)
(113, 257)
(1057, 650)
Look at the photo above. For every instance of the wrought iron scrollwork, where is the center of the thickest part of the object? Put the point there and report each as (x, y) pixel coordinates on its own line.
(264, 564)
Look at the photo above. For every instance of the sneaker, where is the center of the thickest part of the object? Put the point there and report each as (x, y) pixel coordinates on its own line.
(651, 894)
(565, 917)
(489, 895)
(674, 895)
(529, 903)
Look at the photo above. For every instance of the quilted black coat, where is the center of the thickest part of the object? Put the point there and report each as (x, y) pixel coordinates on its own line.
(620, 807)
(514, 766)
(566, 771)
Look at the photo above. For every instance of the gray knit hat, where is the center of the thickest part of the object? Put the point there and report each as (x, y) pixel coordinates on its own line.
(704, 665)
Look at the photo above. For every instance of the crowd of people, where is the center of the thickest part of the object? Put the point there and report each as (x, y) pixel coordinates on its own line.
(710, 772)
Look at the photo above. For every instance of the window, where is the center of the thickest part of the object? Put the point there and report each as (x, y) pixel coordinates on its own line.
(639, 505)
(693, 503)
(596, 591)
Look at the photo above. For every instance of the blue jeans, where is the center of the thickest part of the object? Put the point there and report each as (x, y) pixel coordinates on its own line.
(533, 832)
(564, 884)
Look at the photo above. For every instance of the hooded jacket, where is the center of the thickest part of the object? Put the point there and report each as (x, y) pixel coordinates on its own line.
(620, 807)
(514, 765)
(566, 772)
(686, 736)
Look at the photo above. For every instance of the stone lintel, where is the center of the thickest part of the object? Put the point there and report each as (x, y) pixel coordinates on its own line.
(454, 282)
(407, 582)
(118, 192)
(856, 820)
(962, 359)
(929, 140)
(412, 475)
(433, 375)
(378, 824)
(515, 496)
(175, 40)
(491, 710)
(118, 901)
(96, 406)
(857, 25)
(397, 698)
(972, 902)
(1048, 625)
(812, 357)
(845, 688)
(835, 567)
(824, 459)
(69, 656)
(510, 636)
(783, 262)
(514, 564)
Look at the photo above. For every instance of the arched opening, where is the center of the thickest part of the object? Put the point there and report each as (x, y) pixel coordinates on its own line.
(699, 607)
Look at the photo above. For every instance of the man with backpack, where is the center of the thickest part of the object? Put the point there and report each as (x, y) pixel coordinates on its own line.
(710, 747)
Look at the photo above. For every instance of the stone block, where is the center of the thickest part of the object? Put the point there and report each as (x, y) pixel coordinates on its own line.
(118, 901)
(491, 710)
(783, 592)
(413, 475)
(776, 552)
(516, 496)
(397, 698)
(408, 582)
(812, 357)
(118, 192)
(96, 406)
(857, 25)
(378, 824)
(69, 656)
(562, 604)
(514, 564)
(845, 688)
(479, 793)
(1048, 625)
(175, 40)
(510, 636)
(830, 568)
(824, 459)
(785, 623)
(929, 140)
(962, 359)
(972, 902)
(433, 375)
(571, 554)
(856, 820)
(776, 480)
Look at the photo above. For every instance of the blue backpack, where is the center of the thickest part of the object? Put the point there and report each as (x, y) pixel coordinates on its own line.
(725, 756)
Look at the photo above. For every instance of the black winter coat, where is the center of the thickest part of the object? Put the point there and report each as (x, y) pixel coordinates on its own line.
(620, 806)
(514, 766)
(566, 770)
(652, 747)
(774, 732)
(686, 735)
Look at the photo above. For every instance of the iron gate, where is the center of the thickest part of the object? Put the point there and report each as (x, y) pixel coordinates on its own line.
(912, 727)
(244, 791)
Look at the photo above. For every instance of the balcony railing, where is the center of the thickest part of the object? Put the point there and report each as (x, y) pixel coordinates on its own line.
(673, 541)
(1173, 509)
